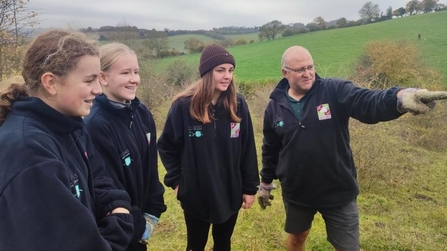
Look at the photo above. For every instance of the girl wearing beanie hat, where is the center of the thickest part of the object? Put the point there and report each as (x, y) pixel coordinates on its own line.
(208, 149)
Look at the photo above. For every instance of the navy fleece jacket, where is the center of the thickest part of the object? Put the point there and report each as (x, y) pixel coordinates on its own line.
(312, 156)
(126, 138)
(49, 197)
(214, 164)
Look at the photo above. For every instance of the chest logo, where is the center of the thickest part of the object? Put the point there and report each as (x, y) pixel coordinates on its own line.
(195, 132)
(75, 187)
(125, 157)
(235, 129)
(324, 112)
(278, 123)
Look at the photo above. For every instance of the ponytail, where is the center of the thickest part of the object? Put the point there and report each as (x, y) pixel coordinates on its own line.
(8, 96)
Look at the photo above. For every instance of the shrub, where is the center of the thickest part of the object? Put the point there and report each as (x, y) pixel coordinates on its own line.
(427, 131)
(257, 99)
(153, 89)
(241, 42)
(180, 72)
(388, 63)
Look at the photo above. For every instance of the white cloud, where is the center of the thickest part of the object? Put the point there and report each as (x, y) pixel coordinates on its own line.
(195, 14)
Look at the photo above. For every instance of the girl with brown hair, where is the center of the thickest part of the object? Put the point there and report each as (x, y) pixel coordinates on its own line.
(53, 195)
(207, 147)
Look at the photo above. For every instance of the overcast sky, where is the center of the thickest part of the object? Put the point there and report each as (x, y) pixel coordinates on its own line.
(194, 14)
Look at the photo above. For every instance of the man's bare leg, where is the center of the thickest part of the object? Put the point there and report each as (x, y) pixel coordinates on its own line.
(297, 242)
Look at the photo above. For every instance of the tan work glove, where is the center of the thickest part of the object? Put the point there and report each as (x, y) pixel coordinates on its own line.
(418, 101)
(428, 96)
(264, 195)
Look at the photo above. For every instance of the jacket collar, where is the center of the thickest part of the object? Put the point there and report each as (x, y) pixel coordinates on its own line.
(124, 111)
(35, 108)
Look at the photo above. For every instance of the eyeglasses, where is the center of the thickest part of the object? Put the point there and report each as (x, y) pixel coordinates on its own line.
(301, 70)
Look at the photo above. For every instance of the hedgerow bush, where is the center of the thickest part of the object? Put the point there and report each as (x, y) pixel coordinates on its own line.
(388, 63)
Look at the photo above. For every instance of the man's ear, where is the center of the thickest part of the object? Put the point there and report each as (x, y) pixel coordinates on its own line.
(102, 78)
(49, 81)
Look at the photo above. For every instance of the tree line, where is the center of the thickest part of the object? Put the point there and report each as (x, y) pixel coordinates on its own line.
(15, 17)
(369, 13)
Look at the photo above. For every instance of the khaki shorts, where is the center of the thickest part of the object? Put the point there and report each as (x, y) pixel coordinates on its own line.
(342, 223)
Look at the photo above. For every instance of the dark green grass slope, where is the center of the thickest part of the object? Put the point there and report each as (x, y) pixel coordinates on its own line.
(335, 51)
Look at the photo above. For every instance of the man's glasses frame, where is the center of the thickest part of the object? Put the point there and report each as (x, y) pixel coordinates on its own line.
(302, 69)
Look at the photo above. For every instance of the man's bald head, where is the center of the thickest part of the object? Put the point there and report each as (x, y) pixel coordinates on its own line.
(294, 53)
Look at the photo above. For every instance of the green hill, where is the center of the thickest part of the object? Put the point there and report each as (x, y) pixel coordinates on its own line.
(335, 50)
(178, 41)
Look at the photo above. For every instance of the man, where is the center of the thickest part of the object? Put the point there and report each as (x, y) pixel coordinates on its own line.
(306, 146)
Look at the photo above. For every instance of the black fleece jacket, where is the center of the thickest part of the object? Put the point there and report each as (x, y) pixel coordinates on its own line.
(213, 163)
(312, 157)
(126, 139)
(50, 197)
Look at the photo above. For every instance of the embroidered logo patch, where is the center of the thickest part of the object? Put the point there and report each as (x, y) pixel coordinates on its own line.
(235, 129)
(324, 112)
(125, 157)
(278, 122)
(195, 131)
(127, 161)
(78, 191)
(75, 188)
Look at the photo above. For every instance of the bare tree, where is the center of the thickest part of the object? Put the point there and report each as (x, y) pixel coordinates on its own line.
(341, 22)
(122, 33)
(320, 23)
(369, 12)
(14, 17)
(389, 13)
(271, 30)
(413, 7)
(399, 12)
(317, 24)
(157, 41)
(427, 6)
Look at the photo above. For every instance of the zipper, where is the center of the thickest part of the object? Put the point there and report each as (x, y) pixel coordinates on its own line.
(214, 121)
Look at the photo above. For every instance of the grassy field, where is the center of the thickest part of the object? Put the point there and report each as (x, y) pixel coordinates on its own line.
(403, 194)
(401, 164)
(402, 203)
(248, 37)
(335, 51)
